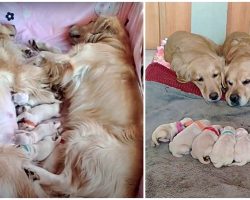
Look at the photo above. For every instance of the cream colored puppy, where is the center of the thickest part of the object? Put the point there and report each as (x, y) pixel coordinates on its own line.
(182, 142)
(203, 144)
(166, 132)
(39, 113)
(223, 150)
(40, 150)
(242, 147)
(41, 131)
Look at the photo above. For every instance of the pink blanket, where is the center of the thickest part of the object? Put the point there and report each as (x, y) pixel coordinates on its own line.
(49, 22)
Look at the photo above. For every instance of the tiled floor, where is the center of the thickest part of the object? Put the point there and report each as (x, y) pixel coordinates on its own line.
(149, 56)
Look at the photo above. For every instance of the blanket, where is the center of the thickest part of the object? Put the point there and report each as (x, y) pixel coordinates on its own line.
(168, 176)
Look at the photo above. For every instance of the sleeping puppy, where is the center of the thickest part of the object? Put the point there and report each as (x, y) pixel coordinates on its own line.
(203, 144)
(103, 134)
(236, 50)
(182, 142)
(242, 148)
(195, 58)
(166, 132)
(223, 150)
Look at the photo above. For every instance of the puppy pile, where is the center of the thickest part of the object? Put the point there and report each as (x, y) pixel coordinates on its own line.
(223, 146)
(38, 125)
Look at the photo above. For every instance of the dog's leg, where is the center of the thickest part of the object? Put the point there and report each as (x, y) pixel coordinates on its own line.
(238, 164)
(45, 177)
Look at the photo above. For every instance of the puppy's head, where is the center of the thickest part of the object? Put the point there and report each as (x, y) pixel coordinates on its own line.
(7, 31)
(96, 30)
(241, 132)
(238, 83)
(207, 73)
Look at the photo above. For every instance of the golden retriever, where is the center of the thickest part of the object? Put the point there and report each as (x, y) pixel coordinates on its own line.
(236, 50)
(195, 58)
(101, 155)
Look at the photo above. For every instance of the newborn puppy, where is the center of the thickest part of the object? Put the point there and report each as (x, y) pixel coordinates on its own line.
(182, 142)
(41, 131)
(40, 150)
(203, 144)
(223, 150)
(38, 114)
(242, 147)
(8, 123)
(166, 132)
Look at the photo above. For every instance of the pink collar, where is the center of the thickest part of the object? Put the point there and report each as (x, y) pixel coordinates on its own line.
(179, 126)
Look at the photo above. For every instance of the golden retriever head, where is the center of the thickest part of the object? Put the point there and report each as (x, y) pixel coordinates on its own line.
(7, 31)
(207, 73)
(238, 82)
(96, 30)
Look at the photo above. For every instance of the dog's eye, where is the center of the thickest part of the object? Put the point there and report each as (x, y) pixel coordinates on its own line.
(200, 79)
(246, 82)
(229, 83)
(11, 35)
(215, 75)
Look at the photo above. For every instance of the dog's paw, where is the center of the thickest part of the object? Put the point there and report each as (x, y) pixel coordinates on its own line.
(31, 175)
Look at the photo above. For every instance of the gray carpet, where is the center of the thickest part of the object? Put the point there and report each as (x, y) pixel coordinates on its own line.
(168, 176)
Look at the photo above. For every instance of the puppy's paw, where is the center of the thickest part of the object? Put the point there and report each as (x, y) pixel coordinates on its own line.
(31, 175)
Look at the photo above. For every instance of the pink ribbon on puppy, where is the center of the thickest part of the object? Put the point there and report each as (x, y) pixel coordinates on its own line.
(212, 129)
(179, 126)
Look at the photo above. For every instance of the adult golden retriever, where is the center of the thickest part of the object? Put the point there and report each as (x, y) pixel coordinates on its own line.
(236, 50)
(103, 138)
(195, 58)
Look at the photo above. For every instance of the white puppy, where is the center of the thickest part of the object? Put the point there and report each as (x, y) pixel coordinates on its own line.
(223, 150)
(242, 147)
(203, 144)
(37, 114)
(182, 142)
(41, 131)
(40, 150)
(8, 123)
(166, 132)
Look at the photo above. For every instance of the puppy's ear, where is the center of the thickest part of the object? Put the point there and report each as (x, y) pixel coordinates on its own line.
(182, 70)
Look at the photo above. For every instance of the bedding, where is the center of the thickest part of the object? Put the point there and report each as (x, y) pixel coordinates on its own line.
(49, 22)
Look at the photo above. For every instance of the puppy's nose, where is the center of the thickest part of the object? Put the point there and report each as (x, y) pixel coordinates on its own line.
(213, 96)
(234, 98)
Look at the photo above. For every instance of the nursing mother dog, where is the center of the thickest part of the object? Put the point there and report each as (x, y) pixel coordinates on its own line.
(236, 50)
(196, 59)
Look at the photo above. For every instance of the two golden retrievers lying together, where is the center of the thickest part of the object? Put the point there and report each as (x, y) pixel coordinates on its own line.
(212, 67)
(102, 149)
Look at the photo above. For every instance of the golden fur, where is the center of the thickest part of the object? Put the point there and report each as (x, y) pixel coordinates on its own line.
(236, 50)
(195, 58)
(102, 154)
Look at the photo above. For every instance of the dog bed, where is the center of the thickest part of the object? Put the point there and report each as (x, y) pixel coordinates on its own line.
(167, 176)
(49, 23)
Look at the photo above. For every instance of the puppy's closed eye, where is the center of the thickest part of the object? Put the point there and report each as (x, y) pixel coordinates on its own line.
(246, 82)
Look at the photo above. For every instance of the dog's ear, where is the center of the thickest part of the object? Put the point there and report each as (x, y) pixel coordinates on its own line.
(231, 54)
(182, 70)
(105, 24)
(222, 66)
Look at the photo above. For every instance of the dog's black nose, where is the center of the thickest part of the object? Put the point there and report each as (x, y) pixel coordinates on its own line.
(213, 96)
(234, 98)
